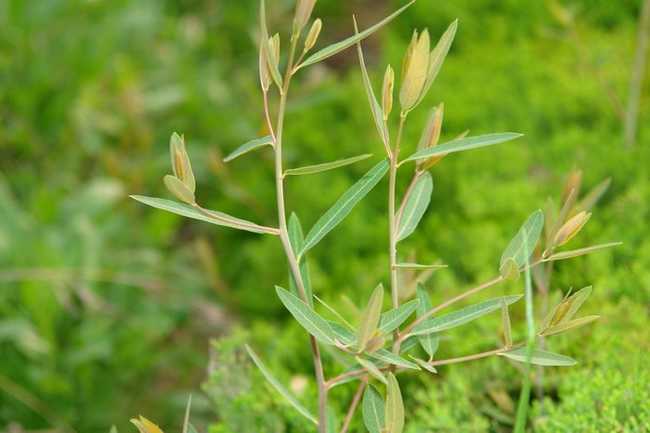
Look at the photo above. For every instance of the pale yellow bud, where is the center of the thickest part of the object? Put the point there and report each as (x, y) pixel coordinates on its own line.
(415, 73)
(571, 228)
(387, 91)
(313, 34)
(181, 166)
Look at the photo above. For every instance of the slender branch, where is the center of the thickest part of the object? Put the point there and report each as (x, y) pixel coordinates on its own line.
(284, 236)
(448, 303)
(354, 404)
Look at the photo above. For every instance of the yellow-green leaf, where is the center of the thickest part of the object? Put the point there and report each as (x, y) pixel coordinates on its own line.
(394, 415)
(373, 410)
(319, 168)
(370, 317)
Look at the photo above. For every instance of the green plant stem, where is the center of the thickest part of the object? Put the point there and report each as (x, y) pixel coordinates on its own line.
(392, 222)
(284, 236)
(353, 405)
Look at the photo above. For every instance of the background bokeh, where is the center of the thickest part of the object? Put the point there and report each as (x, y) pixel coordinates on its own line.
(107, 307)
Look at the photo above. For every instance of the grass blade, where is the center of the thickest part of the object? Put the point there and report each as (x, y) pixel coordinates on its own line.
(347, 43)
(417, 202)
(308, 318)
(464, 315)
(373, 410)
(319, 168)
(539, 357)
(249, 146)
(344, 205)
(392, 319)
(278, 386)
(210, 216)
(462, 144)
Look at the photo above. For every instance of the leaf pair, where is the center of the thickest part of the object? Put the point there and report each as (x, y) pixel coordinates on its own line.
(379, 417)
(560, 319)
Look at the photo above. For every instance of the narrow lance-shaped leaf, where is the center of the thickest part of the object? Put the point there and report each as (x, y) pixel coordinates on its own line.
(438, 55)
(373, 410)
(346, 43)
(377, 112)
(462, 144)
(186, 420)
(344, 205)
(210, 216)
(296, 239)
(249, 146)
(428, 342)
(370, 317)
(416, 204)
(392, 319)
(464, 315)
(566, 310)
(279, 387)
(580, 251)
(528, 234)
(308, 318)
(319, 168)
(390, 358)
(566, 326)
(507, 327)
(424, 365)
(269, 55)
(539, 357)
(394, 406)
(418, 266)
(371, 368)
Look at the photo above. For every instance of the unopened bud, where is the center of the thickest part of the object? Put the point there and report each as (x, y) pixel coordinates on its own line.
(313, 34)
(571, 228)
(387, 92)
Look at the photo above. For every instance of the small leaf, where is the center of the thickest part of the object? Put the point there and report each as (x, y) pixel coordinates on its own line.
(296, 239)
(186, 420)
(377, 113)
(145, 426)
(371, 368)
(409, 343)
(248, 146)
(438, 55)
(387, 92)
(539, 357)
(304, 9)
(319, 168)
(181, 162)
(312, 35)
(394, 406)
(343, 334)
(428, 342)
(417, 266)
(210, 216)
(464, 315)
(580, 251)
(566, 326)
(522, 245)
(571, 228)
(424, 364)
(346, 43)
(463, 144)
(567, 309)
(373, 410)
(370, 317)
(390, 358)
(273, 59)
(589, 201)
(415, 67)
(344, 205)
(308, 318)
(179, 189)
(507, 327)
(278, 386)
(392, 319)
(416, 204)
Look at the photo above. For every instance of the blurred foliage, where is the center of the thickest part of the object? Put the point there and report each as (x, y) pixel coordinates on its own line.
(106, 306)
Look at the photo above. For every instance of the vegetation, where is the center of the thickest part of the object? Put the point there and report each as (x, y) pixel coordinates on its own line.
(106, 307)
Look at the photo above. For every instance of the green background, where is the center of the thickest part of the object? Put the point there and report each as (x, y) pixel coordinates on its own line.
(107, 307)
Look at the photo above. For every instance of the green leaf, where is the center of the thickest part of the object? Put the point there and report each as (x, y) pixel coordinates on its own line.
(418, 266)
(278, 386)
(390, 358)
(346, 43)
(580, 251)
(373, 410)
(462, 144)
(296, 239)
(438, 55)
(394, 406)
(319, 168)
(308, 318)
(424, 365)
(566, 326)
(409, 343)
(375, 108)
(416, 204)
(370, 317)
(179, 189)
(211, 216)
(539, 357)
(249, 146)
(429, 342)
(186, 421)
(507, 328)
(372, 369)
(344, 205)
(392, 319)
(515, 251)
(344, 335)
(464, 315)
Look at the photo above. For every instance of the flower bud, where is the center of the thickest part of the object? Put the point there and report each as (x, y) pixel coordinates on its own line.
(304, 9)
(571, 228)
(313, 34)
(181, 162)
(387, 92)
(179, 189)
(415, 68)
